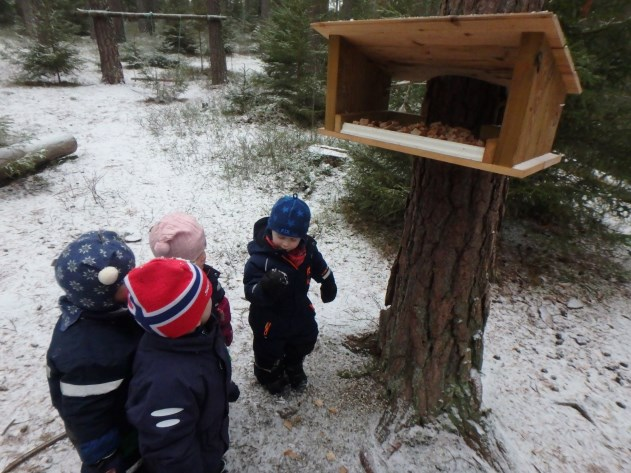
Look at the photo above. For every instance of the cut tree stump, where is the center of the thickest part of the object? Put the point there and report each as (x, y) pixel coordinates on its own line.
(27, 157)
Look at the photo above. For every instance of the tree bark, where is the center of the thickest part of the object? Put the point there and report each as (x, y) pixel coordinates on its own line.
(111, 67)
(146, 6)
(118, 23)
(218, 68)
(264, 9)
(25, 10)
(431, 336)
(320, 8)
(346, 11)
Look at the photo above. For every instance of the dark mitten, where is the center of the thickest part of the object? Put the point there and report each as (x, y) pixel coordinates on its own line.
(233, 392)
(274, 282)
(112, 464)
(328, 289)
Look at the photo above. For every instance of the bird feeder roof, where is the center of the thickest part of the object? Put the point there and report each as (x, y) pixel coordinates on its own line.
(484, 47)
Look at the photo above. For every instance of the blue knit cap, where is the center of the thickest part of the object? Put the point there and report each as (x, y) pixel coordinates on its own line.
(290, 216)
(90, 270)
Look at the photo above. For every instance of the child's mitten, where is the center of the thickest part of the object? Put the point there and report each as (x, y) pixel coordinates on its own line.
(328, 289)
(233, 392)
(274, 282)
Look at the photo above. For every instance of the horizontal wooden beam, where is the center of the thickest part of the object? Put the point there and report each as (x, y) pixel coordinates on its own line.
(150, 15)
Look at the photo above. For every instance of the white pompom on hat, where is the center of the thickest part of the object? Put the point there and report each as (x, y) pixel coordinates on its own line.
(177, 235)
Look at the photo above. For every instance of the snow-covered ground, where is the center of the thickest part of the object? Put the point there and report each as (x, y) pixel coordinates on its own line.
(556, 373)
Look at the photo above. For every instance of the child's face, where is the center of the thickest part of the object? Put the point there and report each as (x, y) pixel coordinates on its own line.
(120, 296)
(200, 260)
(285, 242)
(206, 314)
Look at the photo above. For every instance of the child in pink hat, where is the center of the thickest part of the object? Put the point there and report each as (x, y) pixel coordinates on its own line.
(179, 235)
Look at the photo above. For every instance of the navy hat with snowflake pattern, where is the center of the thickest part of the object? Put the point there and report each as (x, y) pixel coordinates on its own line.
(91, 269)
(290, 216)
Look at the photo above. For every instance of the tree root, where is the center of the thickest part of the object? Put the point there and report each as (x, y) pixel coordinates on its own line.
(367, 343)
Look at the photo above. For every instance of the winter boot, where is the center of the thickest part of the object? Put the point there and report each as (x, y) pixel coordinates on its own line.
(296, 375)
(272, 379)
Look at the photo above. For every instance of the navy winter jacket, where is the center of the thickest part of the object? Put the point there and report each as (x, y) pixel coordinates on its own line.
(291, 314)
(89, 364)
(178, 401)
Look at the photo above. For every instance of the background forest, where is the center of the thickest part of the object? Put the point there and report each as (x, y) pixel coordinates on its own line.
(588, 191)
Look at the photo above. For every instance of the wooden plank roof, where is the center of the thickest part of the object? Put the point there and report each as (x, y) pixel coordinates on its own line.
(479, 46)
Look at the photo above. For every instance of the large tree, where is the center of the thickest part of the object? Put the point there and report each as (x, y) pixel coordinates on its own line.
(431, 335)
(105, 34)
(218, 68)
(25, 10)
(146, 25)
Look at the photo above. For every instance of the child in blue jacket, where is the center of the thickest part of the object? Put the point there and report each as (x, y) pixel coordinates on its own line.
(89, 361)
(178, 396)
(283, 260)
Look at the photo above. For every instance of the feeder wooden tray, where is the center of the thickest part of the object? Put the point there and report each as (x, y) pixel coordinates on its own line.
(525, 52)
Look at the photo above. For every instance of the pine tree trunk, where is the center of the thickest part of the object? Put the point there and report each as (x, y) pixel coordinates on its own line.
(218, 69)
(346, 11)
(118, 23)
(264, 9)
(146, 6)
(111, 67)
(320, 8)
(431, 336)
(25, 10)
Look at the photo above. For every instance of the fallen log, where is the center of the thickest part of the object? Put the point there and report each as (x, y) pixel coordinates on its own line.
(27, 157)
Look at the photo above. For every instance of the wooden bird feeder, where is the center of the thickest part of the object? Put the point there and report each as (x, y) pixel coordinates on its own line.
(524, 52)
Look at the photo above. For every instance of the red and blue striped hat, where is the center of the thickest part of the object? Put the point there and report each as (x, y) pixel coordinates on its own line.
(168, 296)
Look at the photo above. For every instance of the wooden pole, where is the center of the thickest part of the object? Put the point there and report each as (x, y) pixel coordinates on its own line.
(149, 15)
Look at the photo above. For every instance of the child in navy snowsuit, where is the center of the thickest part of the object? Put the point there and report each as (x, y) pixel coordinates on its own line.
(179, 235)
(178, 396)
(89, 361)
(283, 260)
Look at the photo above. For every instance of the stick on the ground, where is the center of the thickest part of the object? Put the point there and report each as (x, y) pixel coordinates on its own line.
(8, 426)
(34, 451)
(579, 408)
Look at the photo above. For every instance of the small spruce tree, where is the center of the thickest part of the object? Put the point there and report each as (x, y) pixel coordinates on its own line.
(294, 58)
(51, 55)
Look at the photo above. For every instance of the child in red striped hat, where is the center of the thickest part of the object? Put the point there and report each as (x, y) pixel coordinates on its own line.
(178, 395)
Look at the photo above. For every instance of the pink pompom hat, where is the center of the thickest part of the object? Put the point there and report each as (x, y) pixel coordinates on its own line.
(177, 235)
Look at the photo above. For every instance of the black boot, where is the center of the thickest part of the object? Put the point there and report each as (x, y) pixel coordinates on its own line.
(272, 379)
(296, 375)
